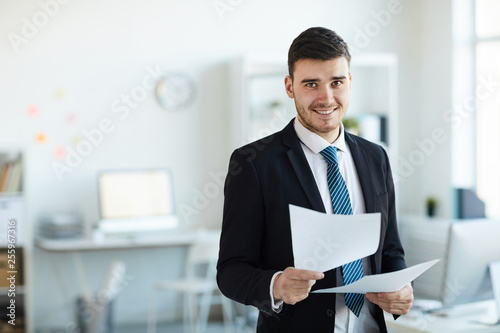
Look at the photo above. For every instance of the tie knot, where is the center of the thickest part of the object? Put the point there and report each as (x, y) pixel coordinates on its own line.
(330, 154)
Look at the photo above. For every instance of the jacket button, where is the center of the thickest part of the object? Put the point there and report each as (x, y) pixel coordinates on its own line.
(330, 313)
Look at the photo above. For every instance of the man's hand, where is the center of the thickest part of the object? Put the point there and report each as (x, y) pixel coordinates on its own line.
(398, 302)
(294, 285)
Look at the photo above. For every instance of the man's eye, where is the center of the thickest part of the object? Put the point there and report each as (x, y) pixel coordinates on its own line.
(336, 83)
(311, 84)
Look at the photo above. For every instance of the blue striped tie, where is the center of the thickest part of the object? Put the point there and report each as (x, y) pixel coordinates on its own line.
(342, 205)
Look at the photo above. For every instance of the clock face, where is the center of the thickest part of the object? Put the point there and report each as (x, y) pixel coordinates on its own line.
(175, 91)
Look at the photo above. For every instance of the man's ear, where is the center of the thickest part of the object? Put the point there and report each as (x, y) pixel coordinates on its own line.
(289, 86)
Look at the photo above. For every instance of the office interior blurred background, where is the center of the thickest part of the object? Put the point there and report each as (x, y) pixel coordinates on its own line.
(92, 87)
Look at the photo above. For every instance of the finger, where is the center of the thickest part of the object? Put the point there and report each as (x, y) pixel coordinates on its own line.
(395, 311)
(287, 282)
(399, 295)
(301, 284)
(395, 308)
(390, 304)
(378, 299)
(301, 274)
(393, 296)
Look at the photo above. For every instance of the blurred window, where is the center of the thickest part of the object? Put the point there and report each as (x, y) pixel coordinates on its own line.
(488, 104)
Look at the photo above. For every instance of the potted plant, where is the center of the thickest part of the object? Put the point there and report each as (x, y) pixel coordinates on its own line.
(351, 125)
(431, 204)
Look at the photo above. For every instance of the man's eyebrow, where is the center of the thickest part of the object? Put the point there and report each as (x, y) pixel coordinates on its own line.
(343, 77)
(309, 80)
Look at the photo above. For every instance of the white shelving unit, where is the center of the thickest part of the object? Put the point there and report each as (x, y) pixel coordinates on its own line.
(374, 93)
(257, 81)
(14, 244)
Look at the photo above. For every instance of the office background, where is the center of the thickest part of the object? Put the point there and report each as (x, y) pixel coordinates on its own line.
(60, 80)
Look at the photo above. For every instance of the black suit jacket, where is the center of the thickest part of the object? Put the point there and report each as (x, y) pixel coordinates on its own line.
(266, 176)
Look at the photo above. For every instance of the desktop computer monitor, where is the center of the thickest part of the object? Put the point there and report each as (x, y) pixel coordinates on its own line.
(472, 246)
(136, 201)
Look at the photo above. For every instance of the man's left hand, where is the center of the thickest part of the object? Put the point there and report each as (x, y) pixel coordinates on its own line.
(398, 302)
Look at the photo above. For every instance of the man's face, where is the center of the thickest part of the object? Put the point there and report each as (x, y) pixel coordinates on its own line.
(321, 90)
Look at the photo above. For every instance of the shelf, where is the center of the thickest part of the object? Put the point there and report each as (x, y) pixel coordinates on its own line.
(11, 194)
(20, 290)
(12, 207)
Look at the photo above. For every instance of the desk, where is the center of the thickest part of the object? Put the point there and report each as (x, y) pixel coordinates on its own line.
(138, 240)
(80, 267)
(459, 321)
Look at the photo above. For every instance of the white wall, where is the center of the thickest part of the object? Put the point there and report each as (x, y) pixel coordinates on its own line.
(95, 51)
(425, 131)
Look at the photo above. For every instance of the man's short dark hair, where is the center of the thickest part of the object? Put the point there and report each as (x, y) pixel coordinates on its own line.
(318, 44)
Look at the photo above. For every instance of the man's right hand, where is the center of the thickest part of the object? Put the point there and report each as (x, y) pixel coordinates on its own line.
(294, 285)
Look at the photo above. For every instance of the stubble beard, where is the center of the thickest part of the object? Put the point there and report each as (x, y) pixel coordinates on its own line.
(302, 115)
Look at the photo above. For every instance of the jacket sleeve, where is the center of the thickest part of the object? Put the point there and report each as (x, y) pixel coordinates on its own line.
(392, 253)
(239, 273)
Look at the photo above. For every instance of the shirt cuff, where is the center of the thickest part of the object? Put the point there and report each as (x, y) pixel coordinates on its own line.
(276, 306)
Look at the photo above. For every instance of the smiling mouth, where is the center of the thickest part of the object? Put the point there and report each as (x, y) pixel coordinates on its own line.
(326, 111)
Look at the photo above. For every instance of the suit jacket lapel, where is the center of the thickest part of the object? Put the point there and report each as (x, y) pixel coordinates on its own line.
(364, 173)
(301, 167)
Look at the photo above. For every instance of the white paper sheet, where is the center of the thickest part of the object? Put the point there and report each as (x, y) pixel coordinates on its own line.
(383, 283)
(322, 241)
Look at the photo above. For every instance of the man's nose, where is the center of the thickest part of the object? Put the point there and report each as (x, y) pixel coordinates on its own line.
(325, 95)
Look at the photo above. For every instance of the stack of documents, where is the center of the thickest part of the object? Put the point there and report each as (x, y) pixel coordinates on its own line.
(61, 225)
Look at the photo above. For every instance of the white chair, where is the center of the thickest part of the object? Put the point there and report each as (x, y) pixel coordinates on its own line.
(200, 290)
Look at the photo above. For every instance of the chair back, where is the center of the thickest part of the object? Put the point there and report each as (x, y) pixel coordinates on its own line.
(202, 253)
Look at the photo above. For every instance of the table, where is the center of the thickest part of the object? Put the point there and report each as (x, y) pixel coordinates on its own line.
(77, 248)
(128, 241)
(464, 318)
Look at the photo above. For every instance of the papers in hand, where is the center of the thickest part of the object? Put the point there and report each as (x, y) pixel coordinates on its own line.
(383, 283)
(322, 242)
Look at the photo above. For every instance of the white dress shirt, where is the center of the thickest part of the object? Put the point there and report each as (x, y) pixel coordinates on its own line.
(313, 144)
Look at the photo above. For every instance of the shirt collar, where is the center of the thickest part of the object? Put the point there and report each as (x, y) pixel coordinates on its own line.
(315, 142)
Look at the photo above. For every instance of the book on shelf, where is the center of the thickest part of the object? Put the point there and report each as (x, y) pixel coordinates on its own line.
(11, 176)
(3, 175)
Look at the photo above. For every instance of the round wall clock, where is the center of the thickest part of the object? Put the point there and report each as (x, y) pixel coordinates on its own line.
(175, 91)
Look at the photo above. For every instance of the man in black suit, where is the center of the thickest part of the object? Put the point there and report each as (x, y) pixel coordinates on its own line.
(256, 262)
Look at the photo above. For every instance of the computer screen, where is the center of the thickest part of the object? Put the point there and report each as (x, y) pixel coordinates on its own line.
(472, 246)
(134, 193)
(136, 200)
